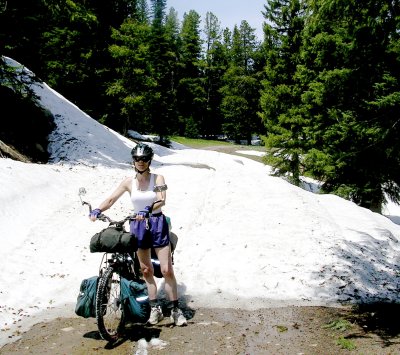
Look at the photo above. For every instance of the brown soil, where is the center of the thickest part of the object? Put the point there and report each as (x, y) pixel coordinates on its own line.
(287, 330)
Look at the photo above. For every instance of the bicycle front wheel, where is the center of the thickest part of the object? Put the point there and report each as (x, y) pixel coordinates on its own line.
(108, 305)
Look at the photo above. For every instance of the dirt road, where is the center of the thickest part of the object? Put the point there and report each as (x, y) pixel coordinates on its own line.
(286, 330)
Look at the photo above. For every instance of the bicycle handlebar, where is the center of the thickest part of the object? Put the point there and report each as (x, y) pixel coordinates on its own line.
(105, 218)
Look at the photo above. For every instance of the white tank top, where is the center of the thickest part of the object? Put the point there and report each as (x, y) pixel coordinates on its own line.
(140, 199)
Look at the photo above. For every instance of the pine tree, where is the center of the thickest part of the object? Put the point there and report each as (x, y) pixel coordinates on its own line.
(133, 77)
(282, 113)
(352, 73)
(190, 88)
(240, 93)
(67, 53)
(21, 26)
(172, 31)
(163, 61)
(214, 66)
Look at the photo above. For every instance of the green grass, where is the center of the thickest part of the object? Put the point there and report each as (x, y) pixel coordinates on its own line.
(197, 143)
(219, 146)
(346, 344)
(204, 143)
(281, 328)
(340, 325)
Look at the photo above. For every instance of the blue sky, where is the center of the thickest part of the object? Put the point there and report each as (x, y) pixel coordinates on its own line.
(229, 12)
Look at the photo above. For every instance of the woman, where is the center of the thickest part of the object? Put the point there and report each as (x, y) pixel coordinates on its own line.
(146, 188)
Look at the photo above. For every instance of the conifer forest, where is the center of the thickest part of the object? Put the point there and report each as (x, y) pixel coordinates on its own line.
(322, 87)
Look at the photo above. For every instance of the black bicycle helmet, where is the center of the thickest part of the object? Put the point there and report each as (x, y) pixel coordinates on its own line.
(142, 150)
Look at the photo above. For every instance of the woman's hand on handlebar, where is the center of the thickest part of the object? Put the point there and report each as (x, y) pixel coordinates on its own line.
(94, 214)
(97, 213)
(145, 213)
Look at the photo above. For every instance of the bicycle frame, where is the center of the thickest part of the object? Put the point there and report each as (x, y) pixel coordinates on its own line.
(123, 263)
(114, 266)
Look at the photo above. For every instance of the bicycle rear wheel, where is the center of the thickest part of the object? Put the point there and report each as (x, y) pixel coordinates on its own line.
(108, 305)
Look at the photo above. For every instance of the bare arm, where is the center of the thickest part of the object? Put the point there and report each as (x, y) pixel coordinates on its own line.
(124, 186)
(161, 195)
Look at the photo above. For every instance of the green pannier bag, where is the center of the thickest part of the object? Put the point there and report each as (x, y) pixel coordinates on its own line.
(135, 301)
(113, 239)
(86, 301)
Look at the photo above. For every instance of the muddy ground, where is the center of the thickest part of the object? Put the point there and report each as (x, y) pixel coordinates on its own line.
(370, 329)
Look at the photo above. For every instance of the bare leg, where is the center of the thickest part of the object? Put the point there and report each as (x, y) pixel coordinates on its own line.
(167, 270)
(148, 272)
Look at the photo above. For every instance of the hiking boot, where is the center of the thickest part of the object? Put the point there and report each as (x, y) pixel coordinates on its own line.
(177, 317)
(155, 315)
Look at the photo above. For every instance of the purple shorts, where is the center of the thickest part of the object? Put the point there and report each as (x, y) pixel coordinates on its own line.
(156, 236)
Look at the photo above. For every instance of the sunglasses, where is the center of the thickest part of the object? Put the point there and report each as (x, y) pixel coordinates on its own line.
(143, 159)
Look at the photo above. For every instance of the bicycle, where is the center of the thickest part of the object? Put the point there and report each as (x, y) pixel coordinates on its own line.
(110, 315)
